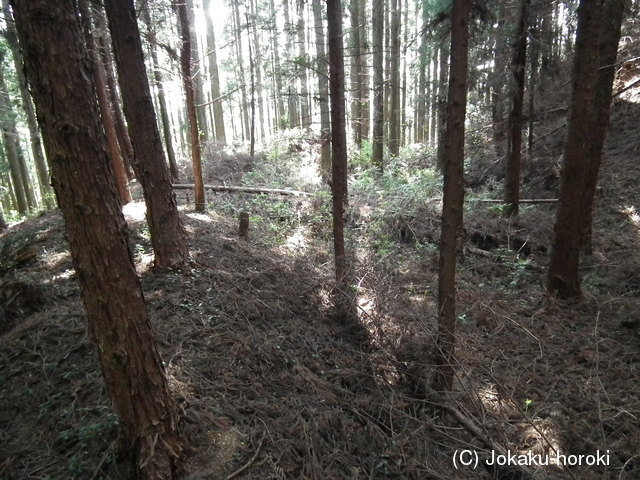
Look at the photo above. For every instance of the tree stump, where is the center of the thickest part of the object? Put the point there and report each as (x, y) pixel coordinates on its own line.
(243, 229)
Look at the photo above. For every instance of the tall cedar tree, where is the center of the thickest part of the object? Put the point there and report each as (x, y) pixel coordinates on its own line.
(609, 39)
(514, 147)
(338, 136)
(189, 88)
(377, 135)
(197, 74)
(356, 68)
(453, 194)
(15, 155)
(323, 92)
(165, 227)
(394, 79)
(162, 99)
(34, 134)
(564, 278)
(218, 117)
(59, 71)
(106, 112)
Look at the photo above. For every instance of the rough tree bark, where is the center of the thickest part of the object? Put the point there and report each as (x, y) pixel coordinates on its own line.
(609, 40)
(185, 61)
(453, 195)
(58, 69)
(106, 113)
(378, 85)
(338, 137)
(564, 278)
(165, 226)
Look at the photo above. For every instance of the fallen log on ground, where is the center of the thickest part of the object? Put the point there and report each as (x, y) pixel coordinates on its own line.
(223, 188)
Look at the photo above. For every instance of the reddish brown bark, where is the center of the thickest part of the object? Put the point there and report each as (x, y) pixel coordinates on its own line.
(338, 136)
(564, 278)
(453, 195)
(99, 78)
(185, 61)
(165, 226)
(609, 40)
(58, 69)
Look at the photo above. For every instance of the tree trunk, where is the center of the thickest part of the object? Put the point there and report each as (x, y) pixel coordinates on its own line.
(534, 57)
(356, 68)
(15, 156)
(162, 101)
(292, 93)
(323, 93)
(564, 278)
(394, 77)
(34, 133)
(338, 137)
(441, 111)
(514, 142)
(165, 227)
(58, 69)
(609, 40)
(497, 83)
(364, 69)
(106, 113)
(378, 85)
(218, 116)
(280, 110)
(197, 75)
(104, 44)
(305, 110)
(257, 63)
(453, 195)
(239, 59)
(252, 68)
(421, 120)
(185, 61)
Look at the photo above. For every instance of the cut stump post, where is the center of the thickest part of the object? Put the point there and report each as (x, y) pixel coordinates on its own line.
(243, 229)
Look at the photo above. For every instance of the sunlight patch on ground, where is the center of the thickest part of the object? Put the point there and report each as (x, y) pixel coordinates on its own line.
(144, 262)
(53, 260)
(67, 274)
(633, 216)
(202, 217)
(297, 241)
(135, 211)
(309, 173)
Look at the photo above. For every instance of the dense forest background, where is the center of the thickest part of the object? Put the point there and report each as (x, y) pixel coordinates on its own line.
(318, 239)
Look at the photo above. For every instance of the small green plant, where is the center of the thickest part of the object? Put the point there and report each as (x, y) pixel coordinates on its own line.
(527, 404)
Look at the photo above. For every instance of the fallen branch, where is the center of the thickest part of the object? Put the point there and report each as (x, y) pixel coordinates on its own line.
(522, 200)
(628, 87)
(249, 463)
(223, 188)
(444, 401)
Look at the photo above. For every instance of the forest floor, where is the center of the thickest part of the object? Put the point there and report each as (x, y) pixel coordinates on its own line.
(270, 384)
